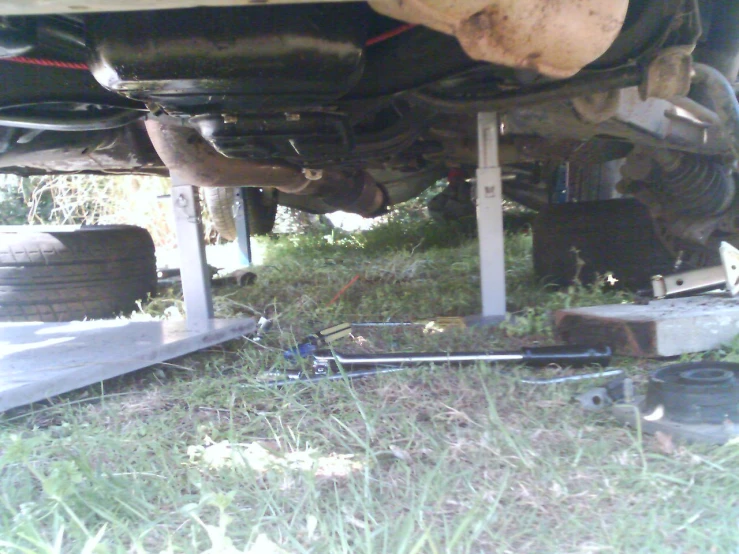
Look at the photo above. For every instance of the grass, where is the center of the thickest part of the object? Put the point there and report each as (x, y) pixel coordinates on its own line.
(198, 455)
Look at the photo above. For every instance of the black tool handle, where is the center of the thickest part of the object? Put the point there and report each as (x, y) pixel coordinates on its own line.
(572, 355)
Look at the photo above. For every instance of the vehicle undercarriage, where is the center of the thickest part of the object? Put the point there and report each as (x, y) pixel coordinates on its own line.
(358, 107)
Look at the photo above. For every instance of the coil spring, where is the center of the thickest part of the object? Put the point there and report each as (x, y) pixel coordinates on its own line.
(696, 186)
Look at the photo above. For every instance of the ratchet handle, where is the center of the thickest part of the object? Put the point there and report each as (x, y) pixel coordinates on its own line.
(567, 355)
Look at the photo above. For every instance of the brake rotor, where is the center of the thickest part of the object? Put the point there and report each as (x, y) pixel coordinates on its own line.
(695, 393)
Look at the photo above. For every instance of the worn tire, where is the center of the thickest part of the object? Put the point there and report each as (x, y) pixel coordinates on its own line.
(612, 236)
(260, 213)
(220, 204)
(90, 272)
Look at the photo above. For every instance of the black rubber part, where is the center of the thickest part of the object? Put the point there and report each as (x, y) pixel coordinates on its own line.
(612, 236)
(699, 392)
(92, 272)
(454, 203)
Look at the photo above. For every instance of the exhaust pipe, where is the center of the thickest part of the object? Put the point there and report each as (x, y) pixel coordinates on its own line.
(190, 159)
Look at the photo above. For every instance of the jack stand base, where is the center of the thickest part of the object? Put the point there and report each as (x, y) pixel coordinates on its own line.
(483, 320)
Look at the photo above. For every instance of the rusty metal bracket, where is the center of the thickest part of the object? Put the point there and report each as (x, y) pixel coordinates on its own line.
(698, 280)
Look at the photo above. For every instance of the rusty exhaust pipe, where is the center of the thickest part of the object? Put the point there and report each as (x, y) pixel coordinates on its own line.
(191, 159)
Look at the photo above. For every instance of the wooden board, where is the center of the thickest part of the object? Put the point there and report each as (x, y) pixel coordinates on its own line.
(662, 328)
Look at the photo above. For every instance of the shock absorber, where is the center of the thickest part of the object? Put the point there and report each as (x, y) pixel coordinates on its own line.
(684, 184)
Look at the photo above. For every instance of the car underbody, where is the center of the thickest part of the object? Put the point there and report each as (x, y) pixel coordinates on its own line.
(358, 107)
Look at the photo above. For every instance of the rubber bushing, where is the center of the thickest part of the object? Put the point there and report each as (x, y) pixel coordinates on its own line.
(701, 392)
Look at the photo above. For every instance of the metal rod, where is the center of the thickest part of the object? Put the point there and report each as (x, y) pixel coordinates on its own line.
(586, 83)
(573, 378)
(69, 123)
(420, 358)
(355, 374)
(389, 324)
(538, 356)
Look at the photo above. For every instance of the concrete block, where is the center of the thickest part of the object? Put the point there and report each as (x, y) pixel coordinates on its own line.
(662, 328)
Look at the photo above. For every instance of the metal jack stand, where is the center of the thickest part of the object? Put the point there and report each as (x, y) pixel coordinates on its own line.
(490, 221)
(41, 360)
(243, 231)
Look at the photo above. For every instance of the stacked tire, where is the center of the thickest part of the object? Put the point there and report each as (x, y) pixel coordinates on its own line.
(261, 210)
(609, 236)
(53, 274)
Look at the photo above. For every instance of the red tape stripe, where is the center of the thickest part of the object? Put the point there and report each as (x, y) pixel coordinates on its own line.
(47, 63)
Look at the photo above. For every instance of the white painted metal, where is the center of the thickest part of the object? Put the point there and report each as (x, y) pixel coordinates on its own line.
(243, 231)
(190, 242)
(698, 280)
(40, 360)
(730, 262)
(490, 220)
(33, 7)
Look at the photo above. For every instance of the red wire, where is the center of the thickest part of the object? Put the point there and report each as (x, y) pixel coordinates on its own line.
(344, 289)
(390, 34)
(47, 63)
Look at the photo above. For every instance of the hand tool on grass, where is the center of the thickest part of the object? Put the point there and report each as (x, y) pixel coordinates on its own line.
(437, 323)
(310, 344)
(331, 366)
(535, 356)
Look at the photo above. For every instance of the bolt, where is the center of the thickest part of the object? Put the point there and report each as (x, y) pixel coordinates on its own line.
(313, 174)
(230, 118)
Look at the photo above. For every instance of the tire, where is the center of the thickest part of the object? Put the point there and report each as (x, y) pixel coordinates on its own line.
(261, 210)
(220, 202)
(614, 236)
(91, 272)
(593, 182)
